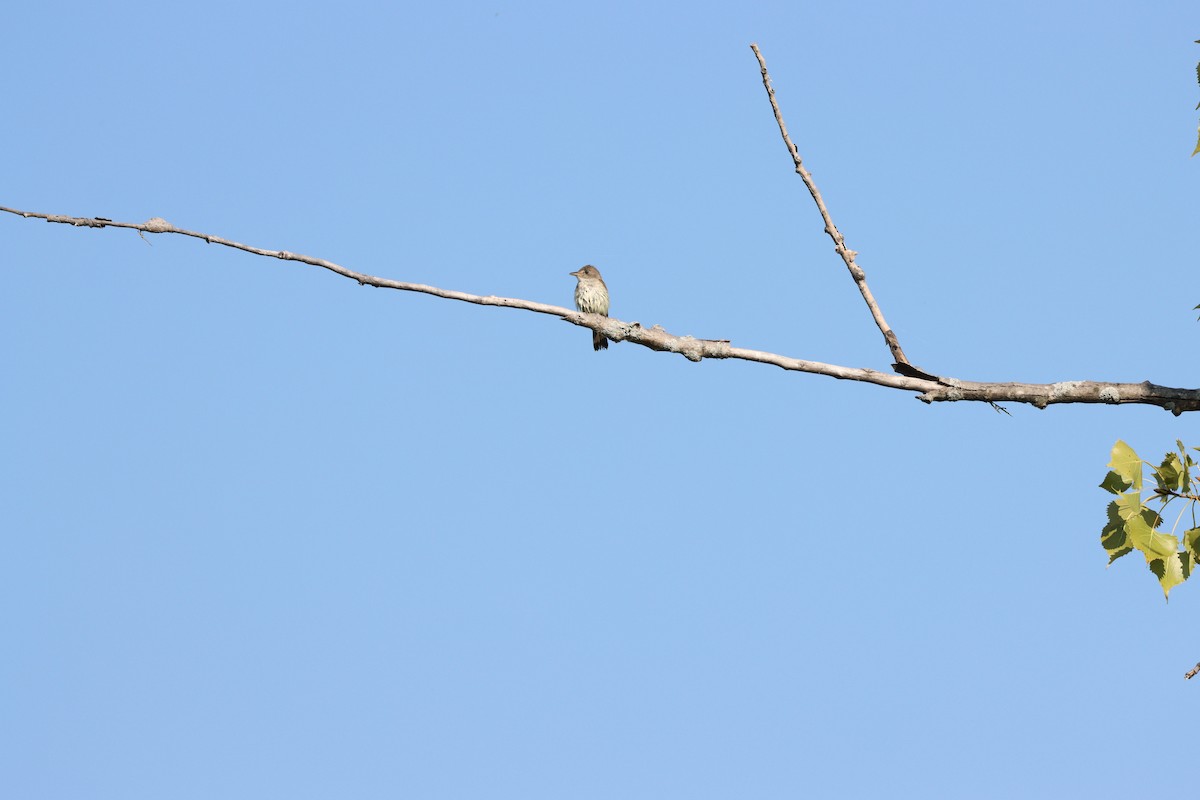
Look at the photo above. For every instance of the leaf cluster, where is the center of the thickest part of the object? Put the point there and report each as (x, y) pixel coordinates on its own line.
(1133, 525)
(1197, 150)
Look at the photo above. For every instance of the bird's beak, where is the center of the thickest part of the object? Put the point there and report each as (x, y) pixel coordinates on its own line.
(574, 274)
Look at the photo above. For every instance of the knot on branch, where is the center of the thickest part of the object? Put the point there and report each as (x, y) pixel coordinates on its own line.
(694, 349)
(690, 348)
(157, 225)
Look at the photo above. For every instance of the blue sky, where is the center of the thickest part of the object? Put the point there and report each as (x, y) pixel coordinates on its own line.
(271, 533)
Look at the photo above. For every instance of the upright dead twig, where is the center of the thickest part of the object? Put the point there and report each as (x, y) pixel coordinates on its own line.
(902, 364)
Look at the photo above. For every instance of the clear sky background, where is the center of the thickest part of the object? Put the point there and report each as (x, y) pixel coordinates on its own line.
(268, 533)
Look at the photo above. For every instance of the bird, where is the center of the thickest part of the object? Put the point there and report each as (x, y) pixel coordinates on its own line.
(591, 296)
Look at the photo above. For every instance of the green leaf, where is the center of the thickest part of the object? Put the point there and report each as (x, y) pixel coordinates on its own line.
(1126, 464)
(1191, 543)
(1169, 571)
(1186, 460)
(1112, 483)
(1169, 474)
(1112, 536)
(1151, 517)
(1161, 551)
(1130, 505)
(1151, 542)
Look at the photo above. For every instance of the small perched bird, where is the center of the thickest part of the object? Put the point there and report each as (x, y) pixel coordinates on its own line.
(591, 296)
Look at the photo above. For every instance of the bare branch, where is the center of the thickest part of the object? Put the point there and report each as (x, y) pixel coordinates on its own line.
(929, 390)
(160, 225)
(902, 364)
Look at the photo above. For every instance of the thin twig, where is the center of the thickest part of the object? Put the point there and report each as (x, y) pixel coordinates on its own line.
(1173, 493)
(1191, 673)
(938, 390)
(902, 364)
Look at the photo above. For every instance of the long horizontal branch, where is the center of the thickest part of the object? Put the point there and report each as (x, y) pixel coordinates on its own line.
(942, 389)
